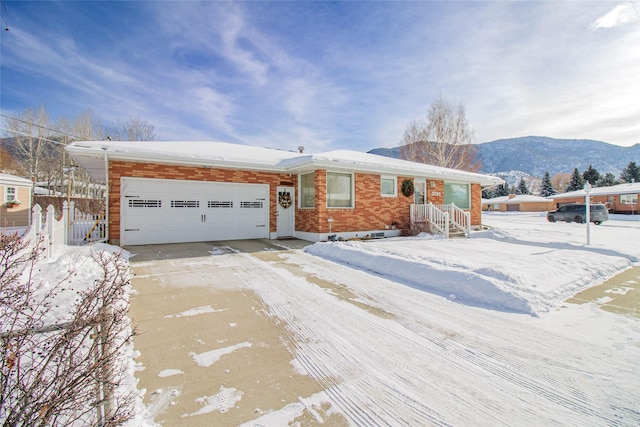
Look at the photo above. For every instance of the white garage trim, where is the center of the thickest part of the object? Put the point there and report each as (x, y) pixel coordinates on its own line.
(172, 211)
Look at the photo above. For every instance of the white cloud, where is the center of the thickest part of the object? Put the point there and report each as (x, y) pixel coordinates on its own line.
(621, 14)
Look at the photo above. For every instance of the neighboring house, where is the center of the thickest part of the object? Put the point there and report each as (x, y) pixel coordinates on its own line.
(621, 198)
(161, 192)
(15, 210)
(520, 202)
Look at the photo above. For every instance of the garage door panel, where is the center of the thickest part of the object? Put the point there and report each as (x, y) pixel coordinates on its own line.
(164, 211)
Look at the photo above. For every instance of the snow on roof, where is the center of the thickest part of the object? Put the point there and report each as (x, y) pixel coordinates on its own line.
(626, 188)
(92, 154)
(519, 198)
(15, 180)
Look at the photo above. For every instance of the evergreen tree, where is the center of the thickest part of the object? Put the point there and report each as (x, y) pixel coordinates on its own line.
(576, 182)
(546, 189)
(522, 187)
(591, 175)
(607, 180)
(501, 190)
(631, 173)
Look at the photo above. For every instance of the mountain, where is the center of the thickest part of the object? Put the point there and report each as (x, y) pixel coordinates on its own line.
(536, 155)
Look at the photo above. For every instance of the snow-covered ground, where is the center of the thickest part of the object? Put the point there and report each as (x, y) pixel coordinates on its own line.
(429, 331)
(415, 358)
(521, 264)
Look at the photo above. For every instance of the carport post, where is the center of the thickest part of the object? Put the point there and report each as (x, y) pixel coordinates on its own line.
(587, 190)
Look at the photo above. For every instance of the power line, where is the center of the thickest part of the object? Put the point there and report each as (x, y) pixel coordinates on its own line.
(38, 137)
(39, 126)
(6, 12)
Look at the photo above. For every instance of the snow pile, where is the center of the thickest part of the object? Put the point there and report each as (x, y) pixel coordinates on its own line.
(523, 264)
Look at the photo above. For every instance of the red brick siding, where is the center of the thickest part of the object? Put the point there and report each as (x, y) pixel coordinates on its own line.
(435, 192)
(119, 169)
(371, 211)
(476, 204)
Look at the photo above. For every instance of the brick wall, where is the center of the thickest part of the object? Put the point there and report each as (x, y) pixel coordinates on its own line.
(371, 211)
(476, 204)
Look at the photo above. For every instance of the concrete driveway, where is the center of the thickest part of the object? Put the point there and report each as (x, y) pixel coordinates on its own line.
(259, 333)
(203, 335)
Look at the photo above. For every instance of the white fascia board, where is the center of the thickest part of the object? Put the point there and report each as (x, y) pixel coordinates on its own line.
(444, 174)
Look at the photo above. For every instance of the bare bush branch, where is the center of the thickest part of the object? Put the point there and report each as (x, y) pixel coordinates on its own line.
(59, 370)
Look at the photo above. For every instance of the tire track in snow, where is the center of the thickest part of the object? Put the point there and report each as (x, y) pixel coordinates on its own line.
(558, 381)
(346, 392)
(330, 339)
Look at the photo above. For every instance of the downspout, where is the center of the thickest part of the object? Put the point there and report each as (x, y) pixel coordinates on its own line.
(106, 198)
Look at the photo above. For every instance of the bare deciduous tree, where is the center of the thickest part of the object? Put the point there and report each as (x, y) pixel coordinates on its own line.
(561, 180)
(444, 138)
(30, 131)
(134, 129)
(59, 371)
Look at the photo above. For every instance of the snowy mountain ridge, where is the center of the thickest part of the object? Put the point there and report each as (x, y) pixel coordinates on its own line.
(536, 155)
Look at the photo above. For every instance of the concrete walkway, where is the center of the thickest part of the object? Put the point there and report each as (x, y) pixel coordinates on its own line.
(203, 335)
(620, 294)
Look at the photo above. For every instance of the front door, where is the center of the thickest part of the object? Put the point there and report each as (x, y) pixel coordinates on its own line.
(286, 212)
(420, 191)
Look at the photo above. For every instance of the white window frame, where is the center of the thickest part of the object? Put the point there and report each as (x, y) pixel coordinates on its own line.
(351, 190)
(7, 196)
(395, 185)
(629, 199)
(301, 197)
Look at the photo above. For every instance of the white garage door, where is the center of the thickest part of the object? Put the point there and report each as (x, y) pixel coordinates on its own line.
(169, 211)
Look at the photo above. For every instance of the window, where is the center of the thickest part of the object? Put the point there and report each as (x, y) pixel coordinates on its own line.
(10, 194)
(224, 204)
(629, 199)
(185, 203)
(251, 205)
(457, 194)
(388, 186)
(308, 190)
(137, 203)
(339, 190)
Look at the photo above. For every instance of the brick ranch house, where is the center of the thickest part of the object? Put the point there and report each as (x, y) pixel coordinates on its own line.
(162, 192)
(621, 198)
(519, 202)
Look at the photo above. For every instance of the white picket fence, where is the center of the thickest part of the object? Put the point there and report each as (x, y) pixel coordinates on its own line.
(72, 229)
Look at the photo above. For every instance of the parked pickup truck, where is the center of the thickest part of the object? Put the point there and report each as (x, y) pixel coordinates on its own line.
(578, 212)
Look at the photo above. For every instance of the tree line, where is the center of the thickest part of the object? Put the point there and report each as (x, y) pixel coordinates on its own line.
(575, 181)
(34, 144)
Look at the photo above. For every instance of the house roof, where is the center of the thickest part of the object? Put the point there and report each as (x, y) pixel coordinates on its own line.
(626, 188)
(6, 179)
(519, 198)
(92, 156)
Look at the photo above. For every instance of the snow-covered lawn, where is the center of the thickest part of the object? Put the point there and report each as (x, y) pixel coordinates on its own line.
(522, 264)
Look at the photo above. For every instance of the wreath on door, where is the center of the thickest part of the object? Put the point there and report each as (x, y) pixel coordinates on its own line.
(407, 188)
(284, 199)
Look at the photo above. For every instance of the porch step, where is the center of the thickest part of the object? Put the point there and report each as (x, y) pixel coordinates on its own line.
(455, 233)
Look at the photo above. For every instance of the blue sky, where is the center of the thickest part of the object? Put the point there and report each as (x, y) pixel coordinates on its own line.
(328, 75)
